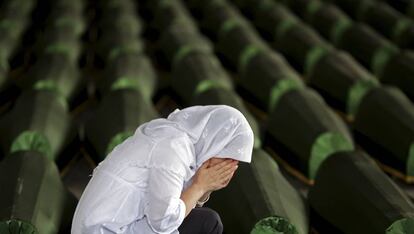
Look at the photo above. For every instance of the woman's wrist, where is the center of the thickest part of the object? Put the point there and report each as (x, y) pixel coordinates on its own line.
(198, 188)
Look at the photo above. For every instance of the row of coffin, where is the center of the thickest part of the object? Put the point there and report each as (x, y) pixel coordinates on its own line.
(299, 120)
(349, 187)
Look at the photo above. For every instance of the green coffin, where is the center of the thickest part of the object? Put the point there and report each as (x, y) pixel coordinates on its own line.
(381, 57)
(355, 196)
(169, 12)
(179, 39)
(303, 125)
(218, 95)
(66, 9)
(383, 18)
(339, 77)
(54, 72)
(118, 116)
(34, 199)
(109, 46)
(259, 200)
(385, 120)
(233, 39)
(130, 70)
(121, 22)
(266, 76)
(219, 15)
(399, 71)
(39, 121)
(196, 72)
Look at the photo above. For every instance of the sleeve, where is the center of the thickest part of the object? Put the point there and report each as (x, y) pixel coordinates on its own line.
(165, 210)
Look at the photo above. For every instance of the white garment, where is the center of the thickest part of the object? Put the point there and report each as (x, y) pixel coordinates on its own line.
(137, 188)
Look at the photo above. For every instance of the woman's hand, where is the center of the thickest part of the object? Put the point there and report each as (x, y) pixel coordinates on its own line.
(212, 178)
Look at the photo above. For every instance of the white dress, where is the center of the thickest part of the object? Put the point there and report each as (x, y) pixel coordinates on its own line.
(117, 197)
(137, 188)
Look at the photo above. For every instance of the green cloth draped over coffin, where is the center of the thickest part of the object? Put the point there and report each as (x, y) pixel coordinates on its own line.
(219, 16)
(180, 39)
(170, 12)
(300, 44)
(54, 72)
(34, 199)
(266, 75)
(130, 70)
(371, 49)
(17, 9)
(196, 72)
(214, 95)
(385, 120)
(259, 200)
(121, 22)
(40, 122)
(368, 47)
(233, 38)
(338, 76)
(302, 123)
(294, 39)
(383, 18)
(120, 39)
(117, 6)
(111, 46)
(66, 9)
(355, 196)
(63, 39)
(118, 116)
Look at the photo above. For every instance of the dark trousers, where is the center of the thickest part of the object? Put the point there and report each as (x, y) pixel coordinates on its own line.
(201, 220)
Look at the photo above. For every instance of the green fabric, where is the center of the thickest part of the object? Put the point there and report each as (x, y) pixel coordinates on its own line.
(311, 8)
(381, 57)
(410, 161)
(183, 51)
(165, 3)
(284, 26)
(208, 84)
(402, 226)
(118, 139)
(357, 92)
(274, 225)
(401, 26)
(17, 227)
(325, 145)
(265, 5)
(228, 25)
(122, 49)
(51, 85)
(280, 88)
(125, 82)
(66, 21)
(313, 56)
(246, 55)
(338, 30)
(31, 140)
(63, 48)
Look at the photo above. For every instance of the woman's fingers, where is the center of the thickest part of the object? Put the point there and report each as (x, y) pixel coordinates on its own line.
(228, 172)
(227, 167)
(221, 164)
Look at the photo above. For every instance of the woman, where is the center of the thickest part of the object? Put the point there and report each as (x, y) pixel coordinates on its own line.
(152, 182)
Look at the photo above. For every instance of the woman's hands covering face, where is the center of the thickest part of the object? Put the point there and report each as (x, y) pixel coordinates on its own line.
(215, 175)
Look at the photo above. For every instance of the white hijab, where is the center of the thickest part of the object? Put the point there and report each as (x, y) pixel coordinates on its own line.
(215, 130)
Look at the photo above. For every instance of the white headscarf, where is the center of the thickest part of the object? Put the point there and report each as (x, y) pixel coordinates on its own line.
(215, 130)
